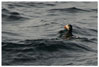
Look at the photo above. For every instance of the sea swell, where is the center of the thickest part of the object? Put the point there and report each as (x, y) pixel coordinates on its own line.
(48, 45)
(31, 33)
(43, 49)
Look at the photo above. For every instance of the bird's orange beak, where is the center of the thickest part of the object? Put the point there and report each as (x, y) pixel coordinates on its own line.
(66, 27)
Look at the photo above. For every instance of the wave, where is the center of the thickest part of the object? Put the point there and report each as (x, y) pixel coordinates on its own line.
(29, 4)
(10, 33)
(49, 45)
(71, 10)
(12, 15)
(44, 4)
(94, 10)
(42, 49)
(5, 12)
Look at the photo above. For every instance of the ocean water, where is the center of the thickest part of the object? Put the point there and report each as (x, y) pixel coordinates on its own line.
(30, 33)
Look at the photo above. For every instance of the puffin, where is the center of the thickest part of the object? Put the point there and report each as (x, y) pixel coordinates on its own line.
(67, 32)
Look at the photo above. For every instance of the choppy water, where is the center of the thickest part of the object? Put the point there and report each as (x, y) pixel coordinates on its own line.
(30, 33)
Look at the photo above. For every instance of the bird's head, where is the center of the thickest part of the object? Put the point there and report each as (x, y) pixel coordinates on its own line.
(68, 27)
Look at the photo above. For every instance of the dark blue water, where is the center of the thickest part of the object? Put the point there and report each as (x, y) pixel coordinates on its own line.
(30, 33)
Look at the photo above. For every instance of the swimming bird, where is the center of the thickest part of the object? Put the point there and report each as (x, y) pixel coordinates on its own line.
(68, 34)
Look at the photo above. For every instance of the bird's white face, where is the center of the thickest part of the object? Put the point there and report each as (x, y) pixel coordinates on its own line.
(67, 27)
